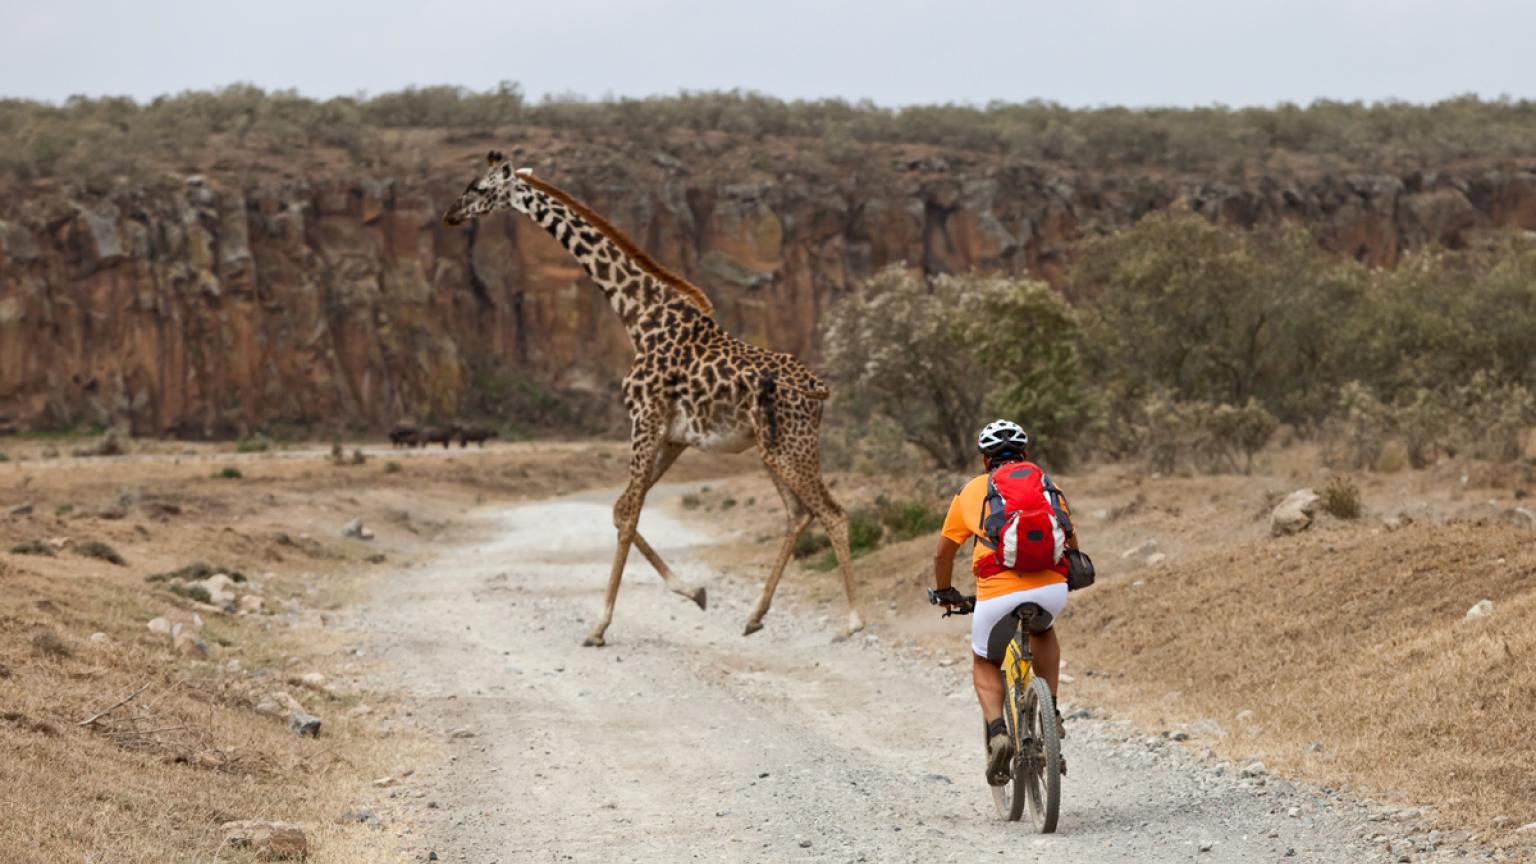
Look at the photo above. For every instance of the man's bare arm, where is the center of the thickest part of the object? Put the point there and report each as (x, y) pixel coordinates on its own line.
(944, 562)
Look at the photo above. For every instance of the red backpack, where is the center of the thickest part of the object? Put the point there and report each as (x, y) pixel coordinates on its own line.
(1026, 526)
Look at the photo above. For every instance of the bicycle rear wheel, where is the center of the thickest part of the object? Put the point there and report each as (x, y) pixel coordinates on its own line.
(1038, 769)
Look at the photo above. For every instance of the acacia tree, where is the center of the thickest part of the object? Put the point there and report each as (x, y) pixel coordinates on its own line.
(940, 357)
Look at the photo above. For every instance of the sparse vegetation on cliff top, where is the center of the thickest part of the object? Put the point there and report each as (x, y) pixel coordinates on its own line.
(109, 136)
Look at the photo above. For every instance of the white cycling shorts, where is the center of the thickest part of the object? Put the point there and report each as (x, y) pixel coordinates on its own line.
(1051, 598)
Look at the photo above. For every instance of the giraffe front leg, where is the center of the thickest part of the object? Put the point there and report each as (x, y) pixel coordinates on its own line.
(797, 526)
(626, 534)
(626, 516)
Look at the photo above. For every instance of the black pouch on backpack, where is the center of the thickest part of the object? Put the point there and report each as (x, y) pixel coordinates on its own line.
(1079, 570)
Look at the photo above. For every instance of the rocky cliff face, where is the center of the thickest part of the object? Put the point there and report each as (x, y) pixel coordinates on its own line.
(211, 305)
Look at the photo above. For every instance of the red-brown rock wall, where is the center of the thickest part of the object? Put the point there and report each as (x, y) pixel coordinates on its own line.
(213, 306)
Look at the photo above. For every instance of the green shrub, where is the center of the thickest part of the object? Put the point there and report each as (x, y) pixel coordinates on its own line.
(1493, 416)
(1424, 423)
(192, 572)
(1234, 435)
(692, 501)
(914, 352)
(1355, 435)
(33, 547)
(100, 551)
(253, 445)
(393, 467)
(230, 473)
(191, 592)
(1341, 498)
(49, 644)
(810, 542)
(905, 520)
(864, 531)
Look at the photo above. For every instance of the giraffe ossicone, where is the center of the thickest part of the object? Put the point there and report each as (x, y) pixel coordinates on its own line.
(692, 384)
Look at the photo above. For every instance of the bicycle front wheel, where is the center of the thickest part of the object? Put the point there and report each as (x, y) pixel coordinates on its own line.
(1039, 765)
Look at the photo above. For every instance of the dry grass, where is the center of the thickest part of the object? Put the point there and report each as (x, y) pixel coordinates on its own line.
(152, 780)
(1353, 641)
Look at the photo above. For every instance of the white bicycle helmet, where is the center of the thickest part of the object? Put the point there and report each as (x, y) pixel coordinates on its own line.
(1002, 436)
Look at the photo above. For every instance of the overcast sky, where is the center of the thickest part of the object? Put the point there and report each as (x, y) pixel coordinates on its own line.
(1078, 52)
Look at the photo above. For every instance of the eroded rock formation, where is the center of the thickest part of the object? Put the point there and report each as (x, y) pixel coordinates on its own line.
(212, 305)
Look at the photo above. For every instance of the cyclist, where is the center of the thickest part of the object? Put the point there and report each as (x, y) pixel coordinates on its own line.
(999, 593)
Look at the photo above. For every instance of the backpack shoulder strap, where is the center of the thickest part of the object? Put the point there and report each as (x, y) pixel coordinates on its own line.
(1053, 495)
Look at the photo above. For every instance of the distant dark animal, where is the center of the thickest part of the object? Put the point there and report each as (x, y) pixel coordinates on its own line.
(476, 434)
(403, 435)
(443, 435)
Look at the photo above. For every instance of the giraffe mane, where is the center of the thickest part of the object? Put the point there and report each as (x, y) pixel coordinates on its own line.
(687, 290)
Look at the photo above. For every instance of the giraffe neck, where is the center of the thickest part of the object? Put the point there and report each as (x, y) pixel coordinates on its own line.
(639, 290)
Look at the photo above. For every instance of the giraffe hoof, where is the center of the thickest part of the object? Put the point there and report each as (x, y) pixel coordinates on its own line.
(593, 642)
(701, 597)
(753, 627)
(855, 623)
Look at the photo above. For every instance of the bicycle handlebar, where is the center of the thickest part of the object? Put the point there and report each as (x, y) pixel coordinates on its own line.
(966, 607)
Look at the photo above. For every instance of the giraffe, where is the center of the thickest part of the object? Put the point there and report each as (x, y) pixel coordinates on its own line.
(691, 385)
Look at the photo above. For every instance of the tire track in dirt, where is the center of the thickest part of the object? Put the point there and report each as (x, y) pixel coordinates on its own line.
(683, 740)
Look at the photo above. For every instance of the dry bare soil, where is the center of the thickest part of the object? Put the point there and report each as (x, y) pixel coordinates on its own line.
(1339, 658)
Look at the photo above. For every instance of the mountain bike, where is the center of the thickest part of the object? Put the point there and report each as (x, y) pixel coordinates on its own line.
(1034, 785)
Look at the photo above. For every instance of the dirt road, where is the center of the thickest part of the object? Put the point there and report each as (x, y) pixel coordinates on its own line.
(683, 740)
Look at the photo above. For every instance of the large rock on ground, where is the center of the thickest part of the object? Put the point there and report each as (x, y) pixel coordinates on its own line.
(1294, 514)
(270, 840)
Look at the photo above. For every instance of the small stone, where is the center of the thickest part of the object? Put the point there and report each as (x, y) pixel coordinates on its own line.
(1294, 514)
(281, 840)
(1294, 813)
(1178, 736)
(100, 638)
(1080, 714)
(22, 509)
(304, 724)
(1142, 550)
(160, 625)
(384, 782)
(1245, 714)
(314, 680)
(355, 528)
(187, 644)
(252, 604)
(1526, 828)
(941, 778)
(1481, 609)
(1207, 728)
(1207, 845)
(462, 732)
(805, 844)
(361, 814)
(1253, 769)
(232, 667)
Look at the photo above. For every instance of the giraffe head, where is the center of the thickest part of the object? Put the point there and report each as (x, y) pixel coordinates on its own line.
(494, 190)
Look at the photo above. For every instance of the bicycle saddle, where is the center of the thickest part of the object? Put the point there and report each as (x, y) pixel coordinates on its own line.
(1034, 618)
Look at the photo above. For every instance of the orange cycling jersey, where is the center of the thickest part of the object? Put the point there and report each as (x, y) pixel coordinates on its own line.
(967, 513)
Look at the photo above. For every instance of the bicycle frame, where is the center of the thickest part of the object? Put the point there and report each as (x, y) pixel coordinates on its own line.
(1018, 670)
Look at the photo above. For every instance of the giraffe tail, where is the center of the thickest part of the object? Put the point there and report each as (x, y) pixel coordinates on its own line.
(767, 406)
